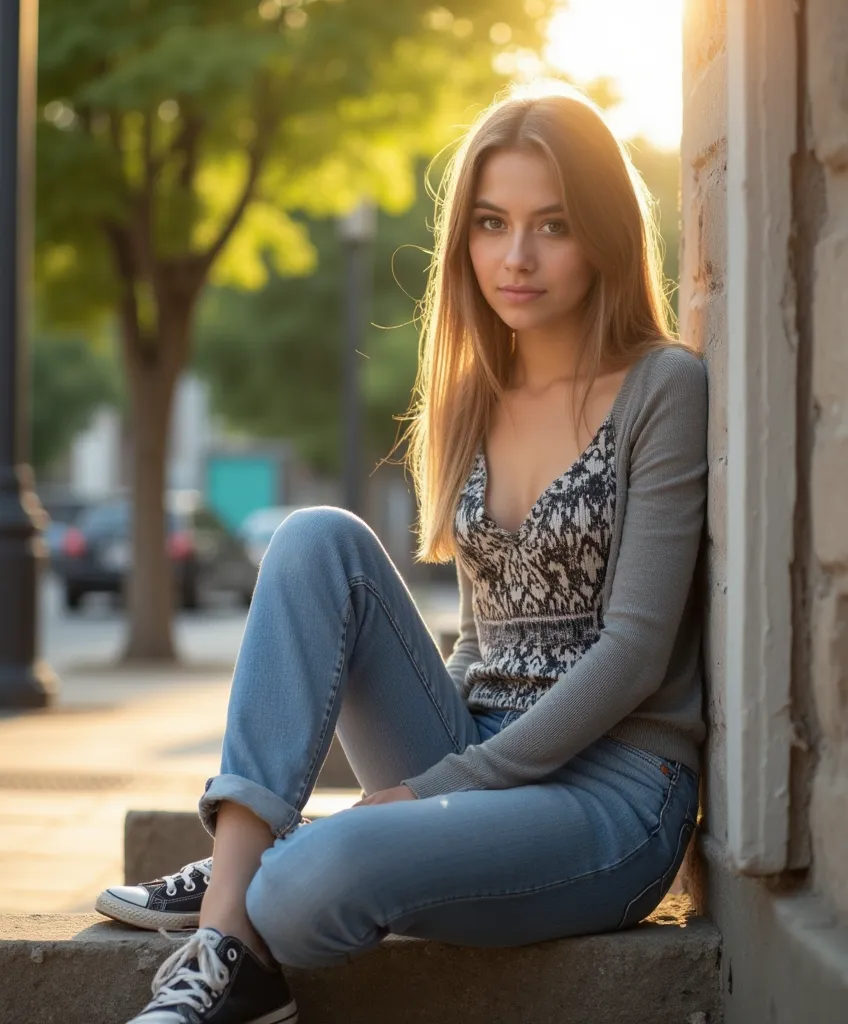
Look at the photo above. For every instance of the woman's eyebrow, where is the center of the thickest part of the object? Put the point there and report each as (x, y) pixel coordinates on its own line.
(484, 204)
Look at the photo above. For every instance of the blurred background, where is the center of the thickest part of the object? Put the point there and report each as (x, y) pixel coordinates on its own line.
(233, 229)
(232, 233)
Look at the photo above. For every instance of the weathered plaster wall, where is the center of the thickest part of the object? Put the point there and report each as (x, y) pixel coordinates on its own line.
(702, 310)
(827, 61)
(785, 938)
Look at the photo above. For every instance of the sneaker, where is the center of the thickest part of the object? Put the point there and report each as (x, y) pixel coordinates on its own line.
(172, 902)
(215, 977)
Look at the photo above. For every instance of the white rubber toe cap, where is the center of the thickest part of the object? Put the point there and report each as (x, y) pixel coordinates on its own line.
(135, 894)
(162, 1017)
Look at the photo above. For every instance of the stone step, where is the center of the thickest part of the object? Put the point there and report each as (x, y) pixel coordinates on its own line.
(157, 843)
(74, 969)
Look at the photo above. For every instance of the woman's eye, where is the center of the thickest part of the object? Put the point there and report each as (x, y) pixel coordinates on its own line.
(490, 223)
(555, 227)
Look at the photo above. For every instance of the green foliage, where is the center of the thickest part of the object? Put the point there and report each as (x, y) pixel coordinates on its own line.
(176, 135)
(273, 359)
(157, 116)
(71, 380)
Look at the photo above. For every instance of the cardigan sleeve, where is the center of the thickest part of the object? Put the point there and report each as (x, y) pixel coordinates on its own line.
(466, 650)
(663, 521)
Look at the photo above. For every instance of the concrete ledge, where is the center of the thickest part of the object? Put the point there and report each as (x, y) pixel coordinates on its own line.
(784, 954)
(157, 843)
(160, 842)
(70, 969)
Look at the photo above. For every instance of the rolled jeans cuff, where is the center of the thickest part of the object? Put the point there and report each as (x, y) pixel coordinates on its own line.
(280, 816)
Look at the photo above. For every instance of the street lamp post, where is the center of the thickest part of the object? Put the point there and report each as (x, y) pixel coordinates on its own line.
(24, 681)
(357, 230)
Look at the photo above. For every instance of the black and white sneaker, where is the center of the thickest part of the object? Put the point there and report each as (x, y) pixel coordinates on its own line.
(172, 902)
(215, 977)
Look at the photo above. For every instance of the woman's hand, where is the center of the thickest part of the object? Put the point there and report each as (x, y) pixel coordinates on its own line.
(387, 796)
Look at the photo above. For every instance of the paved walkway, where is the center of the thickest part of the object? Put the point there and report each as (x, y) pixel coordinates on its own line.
(68, 776)
(116, 741)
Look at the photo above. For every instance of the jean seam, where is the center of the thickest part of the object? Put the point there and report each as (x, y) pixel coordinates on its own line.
(531, 890)
(662, 878)
(686, 825)
(653, 759)
(364, 581)
(307, 779)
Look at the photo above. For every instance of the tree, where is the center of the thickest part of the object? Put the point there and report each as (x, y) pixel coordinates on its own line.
(71, 380)
(176, 135)
(273, 358)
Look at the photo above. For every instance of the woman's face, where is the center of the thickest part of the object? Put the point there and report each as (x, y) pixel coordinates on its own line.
(530, 269)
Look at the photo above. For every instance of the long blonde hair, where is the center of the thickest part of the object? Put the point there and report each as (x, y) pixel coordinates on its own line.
(465, 348)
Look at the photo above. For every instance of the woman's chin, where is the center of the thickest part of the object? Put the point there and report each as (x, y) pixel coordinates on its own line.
(522, 319)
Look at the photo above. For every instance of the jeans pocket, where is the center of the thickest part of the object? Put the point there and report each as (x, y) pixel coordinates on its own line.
(652, 895)
(656, 760)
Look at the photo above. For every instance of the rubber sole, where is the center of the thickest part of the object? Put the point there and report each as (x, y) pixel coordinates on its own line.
(284, 1015)
(149, 920)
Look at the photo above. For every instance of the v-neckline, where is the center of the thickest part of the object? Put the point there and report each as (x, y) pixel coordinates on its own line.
(565, 473)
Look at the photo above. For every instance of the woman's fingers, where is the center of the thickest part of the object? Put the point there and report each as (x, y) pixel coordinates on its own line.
(386, 796)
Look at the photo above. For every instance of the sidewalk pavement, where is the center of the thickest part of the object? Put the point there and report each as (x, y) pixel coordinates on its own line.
(116, 740)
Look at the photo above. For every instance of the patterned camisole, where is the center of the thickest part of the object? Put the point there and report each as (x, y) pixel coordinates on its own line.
(537, 591)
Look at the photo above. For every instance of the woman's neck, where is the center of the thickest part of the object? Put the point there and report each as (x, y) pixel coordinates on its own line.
(545, 357)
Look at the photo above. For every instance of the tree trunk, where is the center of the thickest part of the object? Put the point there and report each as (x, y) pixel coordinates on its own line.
(152, 373)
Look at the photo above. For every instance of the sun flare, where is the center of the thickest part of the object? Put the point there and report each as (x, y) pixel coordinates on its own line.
(635, 43)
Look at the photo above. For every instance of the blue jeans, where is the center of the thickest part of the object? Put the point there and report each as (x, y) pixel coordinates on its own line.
(334, 641)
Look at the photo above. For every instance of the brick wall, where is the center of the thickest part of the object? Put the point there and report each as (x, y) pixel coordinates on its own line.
(827, 62)
(821, 270)
(703, 323)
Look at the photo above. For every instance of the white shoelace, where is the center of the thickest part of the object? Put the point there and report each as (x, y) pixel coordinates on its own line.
(196, 981)
(203, 866)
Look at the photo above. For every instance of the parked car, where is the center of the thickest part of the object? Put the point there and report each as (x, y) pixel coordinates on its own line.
(205, 555)
(63, 509)
(258, 528)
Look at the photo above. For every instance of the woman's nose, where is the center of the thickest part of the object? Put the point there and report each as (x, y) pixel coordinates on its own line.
(519, 254)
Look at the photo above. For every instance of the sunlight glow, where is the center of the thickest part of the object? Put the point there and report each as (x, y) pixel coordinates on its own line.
(637, 45)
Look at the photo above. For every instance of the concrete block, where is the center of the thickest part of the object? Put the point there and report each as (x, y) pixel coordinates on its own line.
(830, 662)
(784, 955)
(703, 326)
(705, 115)
(830, 315)
(827, 45)
(717, 503)
(829, 829)
(160, 842)
(706, 234)
(829, 492)
(72, 970)
(704, 33)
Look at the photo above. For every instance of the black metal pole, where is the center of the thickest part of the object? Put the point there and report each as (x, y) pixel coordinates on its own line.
(351, 404)
(24, 681)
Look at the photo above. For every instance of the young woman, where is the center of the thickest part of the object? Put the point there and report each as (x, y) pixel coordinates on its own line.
(544, 781)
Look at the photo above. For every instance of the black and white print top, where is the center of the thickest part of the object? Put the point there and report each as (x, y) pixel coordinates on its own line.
(537, 590)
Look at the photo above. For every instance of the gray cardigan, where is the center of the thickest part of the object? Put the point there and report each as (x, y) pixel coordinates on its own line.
(641, 681)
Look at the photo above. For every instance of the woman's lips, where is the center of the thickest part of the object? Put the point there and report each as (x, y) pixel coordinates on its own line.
(520, 294)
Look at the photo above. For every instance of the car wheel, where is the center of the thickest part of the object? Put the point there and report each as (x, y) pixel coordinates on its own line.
(73, 597)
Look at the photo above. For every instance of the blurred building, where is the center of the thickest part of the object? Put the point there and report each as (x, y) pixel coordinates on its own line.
(764, 293)
(97, 465)
(237, 474)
